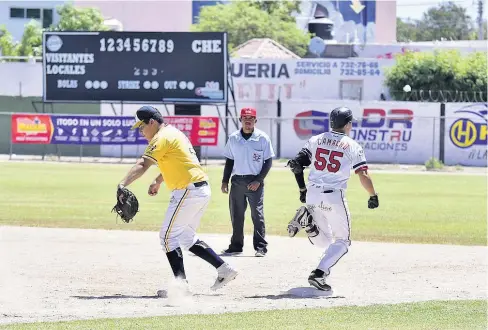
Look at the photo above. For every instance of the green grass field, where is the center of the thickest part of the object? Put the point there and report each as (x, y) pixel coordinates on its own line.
(414, 208)
(445, 209)
(432, 315)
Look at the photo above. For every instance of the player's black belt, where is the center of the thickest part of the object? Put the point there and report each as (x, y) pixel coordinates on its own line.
(200, 184)
(327, 191)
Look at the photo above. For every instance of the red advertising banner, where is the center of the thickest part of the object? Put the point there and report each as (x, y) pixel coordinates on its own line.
(202, 131)
(31, 129)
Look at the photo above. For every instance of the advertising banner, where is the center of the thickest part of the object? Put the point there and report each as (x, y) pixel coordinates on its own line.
(396, 132)
(466, 134)
(103, 130)
(202, 131)
(31, 129)
(94, 130)
(308, 79)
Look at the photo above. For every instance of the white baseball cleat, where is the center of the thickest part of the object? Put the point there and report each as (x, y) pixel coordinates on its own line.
(225, 274)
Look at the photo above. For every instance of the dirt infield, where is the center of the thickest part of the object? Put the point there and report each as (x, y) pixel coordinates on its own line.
(65, 274)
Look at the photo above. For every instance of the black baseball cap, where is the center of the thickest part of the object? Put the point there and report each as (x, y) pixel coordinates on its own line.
(340, 117)
(145, 113)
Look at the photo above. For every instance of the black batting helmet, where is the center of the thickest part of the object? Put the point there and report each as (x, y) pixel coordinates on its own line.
(340, 117)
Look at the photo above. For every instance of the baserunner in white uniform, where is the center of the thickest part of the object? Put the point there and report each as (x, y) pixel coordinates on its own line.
(326, 218)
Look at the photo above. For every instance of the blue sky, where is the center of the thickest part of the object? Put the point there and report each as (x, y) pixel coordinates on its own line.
(415, 8)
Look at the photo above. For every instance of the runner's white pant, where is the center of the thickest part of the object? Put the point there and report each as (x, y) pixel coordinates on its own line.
(331, 214)
(185, 210)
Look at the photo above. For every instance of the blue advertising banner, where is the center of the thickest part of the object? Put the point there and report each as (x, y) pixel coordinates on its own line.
(94, 130)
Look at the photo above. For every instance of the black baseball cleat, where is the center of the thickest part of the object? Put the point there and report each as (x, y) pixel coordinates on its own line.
(231, 252)
(317, 280)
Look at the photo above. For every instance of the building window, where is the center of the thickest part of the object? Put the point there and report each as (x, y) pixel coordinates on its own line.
(33, 13)
(17, 13)
(351, 89)
(45, 15)
(47, 18)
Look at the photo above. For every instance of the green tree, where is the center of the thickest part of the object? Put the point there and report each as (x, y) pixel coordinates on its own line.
(31, 43)
(447, 21)
(73, 18)
(474, 34)
(243, 20)
(441, 70)
(473, 72)
(7, 44)
(406, 31)
(284, 9)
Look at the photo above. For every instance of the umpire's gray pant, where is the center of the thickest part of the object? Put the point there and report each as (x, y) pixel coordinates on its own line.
(239, 195)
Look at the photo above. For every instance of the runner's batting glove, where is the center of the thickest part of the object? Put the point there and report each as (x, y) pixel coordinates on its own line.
(373, 202)
(127, 204)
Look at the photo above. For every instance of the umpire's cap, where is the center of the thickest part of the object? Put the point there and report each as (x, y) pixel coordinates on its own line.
(251, 112)
(145, 113)
(340, 117)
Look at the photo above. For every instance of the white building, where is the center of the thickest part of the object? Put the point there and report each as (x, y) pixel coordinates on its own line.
(16, 14)
(129, 15)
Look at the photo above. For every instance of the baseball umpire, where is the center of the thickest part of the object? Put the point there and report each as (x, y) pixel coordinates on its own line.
(249, 155)
(173, 153)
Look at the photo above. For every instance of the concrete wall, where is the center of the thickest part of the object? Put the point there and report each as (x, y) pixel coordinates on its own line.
(24, 104)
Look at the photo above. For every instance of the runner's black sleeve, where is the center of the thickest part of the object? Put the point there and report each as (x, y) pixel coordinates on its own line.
(301, 160)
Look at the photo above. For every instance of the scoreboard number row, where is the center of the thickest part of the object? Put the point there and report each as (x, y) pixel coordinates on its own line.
(136, 45)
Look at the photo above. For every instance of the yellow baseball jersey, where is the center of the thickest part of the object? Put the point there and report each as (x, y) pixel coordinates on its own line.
(173, 152)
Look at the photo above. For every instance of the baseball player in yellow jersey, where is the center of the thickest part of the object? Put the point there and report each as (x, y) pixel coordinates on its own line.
(173, 153)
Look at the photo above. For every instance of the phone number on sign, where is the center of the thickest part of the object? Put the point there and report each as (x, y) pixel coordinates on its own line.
(360, 72)
(359, 65)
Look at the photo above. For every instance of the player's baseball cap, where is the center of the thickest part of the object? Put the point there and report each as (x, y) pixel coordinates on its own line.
(340, 117)
(145, 113)
(251, 112)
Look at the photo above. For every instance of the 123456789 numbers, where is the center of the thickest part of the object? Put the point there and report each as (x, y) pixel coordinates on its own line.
(136, 45)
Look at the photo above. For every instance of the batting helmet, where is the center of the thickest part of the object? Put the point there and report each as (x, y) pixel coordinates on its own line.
(340, 117)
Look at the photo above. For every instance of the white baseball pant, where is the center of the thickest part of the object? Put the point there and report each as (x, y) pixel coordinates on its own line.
(331, 214)
(183, 216)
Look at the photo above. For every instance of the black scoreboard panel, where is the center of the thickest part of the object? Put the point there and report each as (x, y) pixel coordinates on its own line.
(172, 67)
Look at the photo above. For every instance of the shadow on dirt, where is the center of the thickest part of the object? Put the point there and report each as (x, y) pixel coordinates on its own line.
(115, 296)
(123, 296)
(299, 293)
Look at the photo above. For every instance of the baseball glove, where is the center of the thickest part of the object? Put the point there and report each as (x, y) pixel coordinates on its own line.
(127, 204)
(373, 202)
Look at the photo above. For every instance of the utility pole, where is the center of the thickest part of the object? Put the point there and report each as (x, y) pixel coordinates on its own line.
(480, 20)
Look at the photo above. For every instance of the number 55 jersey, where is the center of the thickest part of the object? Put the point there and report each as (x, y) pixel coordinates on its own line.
(332, 156)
